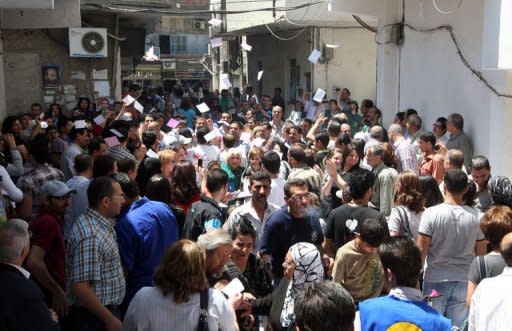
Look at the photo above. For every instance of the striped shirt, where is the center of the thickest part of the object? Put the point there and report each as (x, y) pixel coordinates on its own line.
(93, 256)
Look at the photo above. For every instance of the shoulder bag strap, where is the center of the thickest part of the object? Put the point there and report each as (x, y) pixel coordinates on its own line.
(203, 312)
(481, 267)
(405, 220)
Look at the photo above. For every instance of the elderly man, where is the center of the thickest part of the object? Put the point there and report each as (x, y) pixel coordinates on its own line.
(218, 246)
(458, 138)
(404, 151)
(382, 197)
(21, 304)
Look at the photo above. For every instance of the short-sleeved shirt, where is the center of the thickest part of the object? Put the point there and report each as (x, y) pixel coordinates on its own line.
(31, 183)
(341, 232)
(120, 153)
(453, 230)
(283, 230)
(494, 265)
(93, 257)
(144, 233)
(79, 202)
(67, 160)
(397, 217)
(203, 216)
(46, 231)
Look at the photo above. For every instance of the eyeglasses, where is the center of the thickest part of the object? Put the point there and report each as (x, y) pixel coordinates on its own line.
(118, 196)
(298, 197)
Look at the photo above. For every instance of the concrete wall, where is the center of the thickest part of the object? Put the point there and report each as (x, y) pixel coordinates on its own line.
(353, 65)
(247, 20)
(26, 51)
(66, 13)
(435, 81)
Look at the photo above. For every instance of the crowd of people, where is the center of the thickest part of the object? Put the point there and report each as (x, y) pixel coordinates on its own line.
(196, 210)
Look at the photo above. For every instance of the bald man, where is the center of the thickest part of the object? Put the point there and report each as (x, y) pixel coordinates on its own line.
(490, 305)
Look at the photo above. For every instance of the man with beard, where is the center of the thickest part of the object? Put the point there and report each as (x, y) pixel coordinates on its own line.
(480, 175)
(258, 209)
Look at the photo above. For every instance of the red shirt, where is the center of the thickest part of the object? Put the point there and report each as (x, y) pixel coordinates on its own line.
(46, 230)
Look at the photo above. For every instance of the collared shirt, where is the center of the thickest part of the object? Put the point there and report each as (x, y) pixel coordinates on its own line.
(406, 155)
(120, 152)
(247, 210)
(67, 161)
(490, 304)
(382, 197)
(31, 183)
(433, 164)
(23, 271)
(93, 257)
(79, 202)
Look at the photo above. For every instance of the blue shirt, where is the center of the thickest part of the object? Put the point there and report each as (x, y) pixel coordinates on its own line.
(282, 230)
(189, 114)
(392, 313)
(144, 233)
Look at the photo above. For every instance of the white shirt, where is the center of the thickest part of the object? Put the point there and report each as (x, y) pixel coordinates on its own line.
(20, 269)
(491, 303)
(406, 155)
(207, 153)
(276, 195)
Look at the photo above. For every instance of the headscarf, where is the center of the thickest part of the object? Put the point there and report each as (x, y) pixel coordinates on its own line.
(309, 268)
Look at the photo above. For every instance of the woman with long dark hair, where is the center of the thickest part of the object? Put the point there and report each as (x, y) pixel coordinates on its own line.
(184, 189)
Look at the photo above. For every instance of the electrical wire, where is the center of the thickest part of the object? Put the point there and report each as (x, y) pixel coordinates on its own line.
(475, 72)
(284, 38)
(439, 10)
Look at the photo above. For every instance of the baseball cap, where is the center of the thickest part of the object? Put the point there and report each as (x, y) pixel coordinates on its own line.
(55, 188)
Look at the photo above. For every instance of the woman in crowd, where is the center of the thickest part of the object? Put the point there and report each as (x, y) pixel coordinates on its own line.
(10, 156)
(302, 266)
(297, 113)
(174, 302)
(255, 155)
(332, 183)
(430, 190)
(350, 160)
(184, 189)
(495, 224)
(167, 159)
(405, 217)
(54, 114)
(233, 167)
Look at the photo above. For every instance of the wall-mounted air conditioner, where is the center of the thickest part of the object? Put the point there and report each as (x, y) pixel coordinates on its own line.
(88, 42)
(168, 65)
(199, 25)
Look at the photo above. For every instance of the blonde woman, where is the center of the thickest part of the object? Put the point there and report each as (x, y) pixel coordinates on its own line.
(168, 161)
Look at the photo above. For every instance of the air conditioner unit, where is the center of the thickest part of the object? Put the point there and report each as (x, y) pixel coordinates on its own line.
(88, 42)
(199, 25)
(168, 65)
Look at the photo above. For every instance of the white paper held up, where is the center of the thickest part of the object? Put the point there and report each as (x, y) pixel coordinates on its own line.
(80, 124)
(260, 74)
(117, 133)
(332, 45)
(319, 95)
(215, 22)
(128, 100)
(203, 107)
(233, 288)
(314, 56)
(212, 135)
(99, 119)
(139, 107)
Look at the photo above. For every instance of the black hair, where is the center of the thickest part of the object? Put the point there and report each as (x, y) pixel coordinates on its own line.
(39, 149)
(324, 306)
(442, 121)
(360, 181)
(158, 188)
(126, 165)
(83, 162)
(98, 189)
(456, 181)
(271, 161)
(372, 231)
(343, 139)
(200, 133)
(323, 138)
(103, 166)
(258, 176)
(430, 190)
(334, 129)
(428, 137)
(480, 162)
(243, 227)
(297, 152)
(216, 179)
(95, 144)
(8, 123)
(403, 258)
(75, 132)
(128, 186)
(62, 123)
(149, 138)
(295, 182)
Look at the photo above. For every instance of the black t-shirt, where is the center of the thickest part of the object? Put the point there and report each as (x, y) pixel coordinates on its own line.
(337, 228)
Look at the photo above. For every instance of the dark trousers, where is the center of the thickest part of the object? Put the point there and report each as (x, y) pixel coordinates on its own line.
(80, 319)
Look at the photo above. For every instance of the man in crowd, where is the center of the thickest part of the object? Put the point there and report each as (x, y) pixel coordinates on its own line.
(490, 304)
(440, 131)
(300, 170)
(144, 231)
(257, 210)
(79, 141)
(433, 162)
(404, 151)
(288, 226)
(32, 181)
(480, 174)
(383, 188)
(404, 306)
(22, 305)
(271, 163)
(206, 214)
(458, 138)
(449, 237)
(96, 284)
(46, 258)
